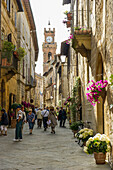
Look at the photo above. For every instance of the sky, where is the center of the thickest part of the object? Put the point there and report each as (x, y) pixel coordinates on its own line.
(43, 11)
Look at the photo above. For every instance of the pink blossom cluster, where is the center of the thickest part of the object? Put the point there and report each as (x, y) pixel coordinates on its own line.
(94, 90)
(27, 105)
(69, 39)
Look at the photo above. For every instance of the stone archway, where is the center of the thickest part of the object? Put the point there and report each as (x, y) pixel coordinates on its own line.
(100, 106)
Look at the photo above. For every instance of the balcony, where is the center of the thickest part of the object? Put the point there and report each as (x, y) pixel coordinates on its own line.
(33, 82)
(30, 84)
(82, 42)
(9, 65)
(27, 86)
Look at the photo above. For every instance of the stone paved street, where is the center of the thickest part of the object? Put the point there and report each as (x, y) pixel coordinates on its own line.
(45, 151)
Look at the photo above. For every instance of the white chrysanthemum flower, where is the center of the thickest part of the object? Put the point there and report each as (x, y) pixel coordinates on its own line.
(85, 149)
(80, 136)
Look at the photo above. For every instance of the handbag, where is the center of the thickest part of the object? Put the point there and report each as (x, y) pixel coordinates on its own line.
(49, 122)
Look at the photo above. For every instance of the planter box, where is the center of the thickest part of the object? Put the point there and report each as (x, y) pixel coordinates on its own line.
(13, 123)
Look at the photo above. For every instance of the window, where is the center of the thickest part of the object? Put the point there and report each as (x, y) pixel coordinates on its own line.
(15, 19)
(8, 5)
(9, 37)
(49, 56)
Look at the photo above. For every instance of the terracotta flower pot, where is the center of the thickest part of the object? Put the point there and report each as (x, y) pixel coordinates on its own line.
(69, 16)
(68, 24)
(100, 157)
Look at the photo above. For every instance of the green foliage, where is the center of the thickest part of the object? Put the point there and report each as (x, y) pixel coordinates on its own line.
(14, 106)
(21, 52)
(75, 125)
(7, 50)
(97, 146)
(75, 99)
(77, 28)
(66, 12)
(98, 143)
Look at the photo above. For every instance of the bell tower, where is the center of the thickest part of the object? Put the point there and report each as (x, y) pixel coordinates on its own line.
(49, 48)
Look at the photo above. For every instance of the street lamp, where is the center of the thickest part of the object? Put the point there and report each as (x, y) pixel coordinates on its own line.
(51, 99)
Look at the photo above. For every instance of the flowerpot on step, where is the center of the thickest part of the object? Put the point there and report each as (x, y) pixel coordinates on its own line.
(100, 157)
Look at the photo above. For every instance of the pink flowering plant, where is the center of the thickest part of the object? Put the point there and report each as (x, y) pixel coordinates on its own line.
(94, 90)
(69, 39)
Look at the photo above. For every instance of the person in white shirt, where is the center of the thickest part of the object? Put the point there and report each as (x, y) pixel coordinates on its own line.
(45, 114)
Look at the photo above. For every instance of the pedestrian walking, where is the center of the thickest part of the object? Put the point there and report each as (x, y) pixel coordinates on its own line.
(39, 118)
(23, 116)
(4, 122)
(52, 118)
(18, 131)
(30, 119)
(62, 117)
(45, 114)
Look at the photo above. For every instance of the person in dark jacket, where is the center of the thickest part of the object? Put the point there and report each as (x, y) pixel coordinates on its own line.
(62, 117)
(4, 122)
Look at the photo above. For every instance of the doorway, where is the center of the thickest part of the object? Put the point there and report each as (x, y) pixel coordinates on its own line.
(100, 106)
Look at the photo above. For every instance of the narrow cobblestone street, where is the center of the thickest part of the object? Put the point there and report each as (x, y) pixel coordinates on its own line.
(45, 151)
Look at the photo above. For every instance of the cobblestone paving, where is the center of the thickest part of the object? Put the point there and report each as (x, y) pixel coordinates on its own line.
(45, 151)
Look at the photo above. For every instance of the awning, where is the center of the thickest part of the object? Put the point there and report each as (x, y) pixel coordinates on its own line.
(66, 2)
(65, 48)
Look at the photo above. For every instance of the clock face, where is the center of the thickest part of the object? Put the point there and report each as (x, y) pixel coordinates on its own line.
(49, 39)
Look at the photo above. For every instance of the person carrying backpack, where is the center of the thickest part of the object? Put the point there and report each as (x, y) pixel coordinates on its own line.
(45, 114)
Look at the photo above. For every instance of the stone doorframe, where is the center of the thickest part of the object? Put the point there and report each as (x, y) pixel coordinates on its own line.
(100, 125)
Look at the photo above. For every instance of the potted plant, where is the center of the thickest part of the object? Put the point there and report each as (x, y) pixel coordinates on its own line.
(99, 145)
(68, 24)
(66, 12)
(84, 135)
(95, 90)
(69, 16)
(7, 51)
(21, 52)
(74, 126)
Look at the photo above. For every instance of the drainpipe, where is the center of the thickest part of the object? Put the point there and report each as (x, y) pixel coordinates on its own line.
(76, 13)
(88, 13)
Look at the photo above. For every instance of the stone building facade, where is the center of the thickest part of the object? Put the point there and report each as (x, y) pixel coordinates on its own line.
(92, 51)
(17, 80)
(39, 91)
(8, 80)
(27, 39)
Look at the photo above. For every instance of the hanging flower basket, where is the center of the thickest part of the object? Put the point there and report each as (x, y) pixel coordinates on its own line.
(95, 90)
(69, 16)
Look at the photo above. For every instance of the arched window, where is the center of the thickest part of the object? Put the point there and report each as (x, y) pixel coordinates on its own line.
(49, 56)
